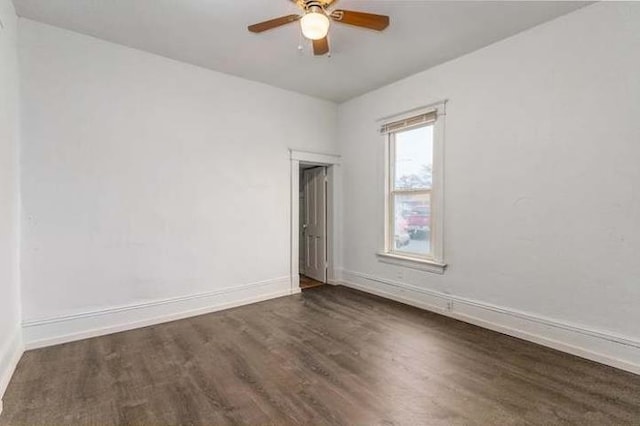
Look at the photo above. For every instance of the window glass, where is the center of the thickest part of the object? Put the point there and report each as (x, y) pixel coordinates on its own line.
(412, 223)
(413, 160)
(410, 191)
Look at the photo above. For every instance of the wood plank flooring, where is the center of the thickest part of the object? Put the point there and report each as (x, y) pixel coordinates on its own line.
(306, 282)
(330, 355)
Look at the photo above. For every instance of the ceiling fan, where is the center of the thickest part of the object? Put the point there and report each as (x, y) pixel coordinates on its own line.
(315, 22)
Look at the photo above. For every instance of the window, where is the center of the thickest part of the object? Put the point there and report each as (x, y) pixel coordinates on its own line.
(413, 228)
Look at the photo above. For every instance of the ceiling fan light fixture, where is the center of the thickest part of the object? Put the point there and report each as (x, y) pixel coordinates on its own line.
(315, 24)
(316, 19)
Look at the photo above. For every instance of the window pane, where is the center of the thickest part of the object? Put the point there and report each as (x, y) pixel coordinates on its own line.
(413, 158)
(412, 223)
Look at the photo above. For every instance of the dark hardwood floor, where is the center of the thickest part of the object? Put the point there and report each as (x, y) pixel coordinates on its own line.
(306, 282)
(330, 355)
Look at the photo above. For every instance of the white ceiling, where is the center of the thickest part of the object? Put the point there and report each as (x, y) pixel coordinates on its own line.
(213, 34)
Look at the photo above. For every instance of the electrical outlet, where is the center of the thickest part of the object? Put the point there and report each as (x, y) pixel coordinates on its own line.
(449, 305)
(399, 275)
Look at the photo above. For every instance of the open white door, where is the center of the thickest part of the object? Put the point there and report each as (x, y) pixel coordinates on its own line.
(314, 225)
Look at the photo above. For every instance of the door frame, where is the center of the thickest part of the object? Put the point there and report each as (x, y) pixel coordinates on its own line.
(332, 163)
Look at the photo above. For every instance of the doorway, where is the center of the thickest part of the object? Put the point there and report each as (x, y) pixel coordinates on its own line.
(315, 181)
(313, 225)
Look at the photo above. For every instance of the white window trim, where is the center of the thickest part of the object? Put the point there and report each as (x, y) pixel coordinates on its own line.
(434, 263)
(421, 264)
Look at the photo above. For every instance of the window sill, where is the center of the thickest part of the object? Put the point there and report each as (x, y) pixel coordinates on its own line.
(412, 262)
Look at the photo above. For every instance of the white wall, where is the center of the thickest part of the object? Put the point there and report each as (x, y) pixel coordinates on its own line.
(147, 196)
(542, 185)
(148, 180)
(10, 343)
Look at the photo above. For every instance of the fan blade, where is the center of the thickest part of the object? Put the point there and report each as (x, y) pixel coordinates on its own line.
(272, 23)
(361, 19)
(320, 47)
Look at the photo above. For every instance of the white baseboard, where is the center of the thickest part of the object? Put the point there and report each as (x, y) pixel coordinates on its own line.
(606, 348)
(42, 332)
(10, 354)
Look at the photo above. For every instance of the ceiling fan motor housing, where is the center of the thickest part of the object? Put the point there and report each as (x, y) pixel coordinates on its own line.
(313, 6)
(307, 5)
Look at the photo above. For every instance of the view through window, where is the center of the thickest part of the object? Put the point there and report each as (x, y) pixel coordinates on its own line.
(411, 178)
